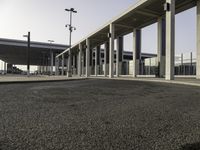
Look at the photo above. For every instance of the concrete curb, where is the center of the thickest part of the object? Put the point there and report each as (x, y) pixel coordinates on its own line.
(40, 80)
(103, 78)
(152, 80)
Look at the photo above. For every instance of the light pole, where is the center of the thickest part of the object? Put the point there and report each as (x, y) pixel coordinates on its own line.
(28, 53)
(71, 28)
(51, 55)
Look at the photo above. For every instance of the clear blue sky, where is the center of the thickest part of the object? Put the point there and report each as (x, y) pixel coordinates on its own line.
(46, 19)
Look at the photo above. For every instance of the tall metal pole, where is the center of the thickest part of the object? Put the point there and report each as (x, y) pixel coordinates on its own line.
(71, 28)
(28, 55)
(70, 42)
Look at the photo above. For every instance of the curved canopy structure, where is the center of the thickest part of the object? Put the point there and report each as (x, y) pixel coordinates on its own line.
(15, 51)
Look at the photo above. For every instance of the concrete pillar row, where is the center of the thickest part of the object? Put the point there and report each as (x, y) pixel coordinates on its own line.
(136, 51)
(161, 54)
(119, 55)
(111, 50)
(198, 41)
(87, 74)
(170, 40)
(63, 64)
(80, 60)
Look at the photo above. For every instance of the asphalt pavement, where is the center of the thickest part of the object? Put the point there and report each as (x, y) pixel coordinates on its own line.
(99, 115)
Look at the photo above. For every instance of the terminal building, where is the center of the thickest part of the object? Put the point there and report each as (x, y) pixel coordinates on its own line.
(14, 52)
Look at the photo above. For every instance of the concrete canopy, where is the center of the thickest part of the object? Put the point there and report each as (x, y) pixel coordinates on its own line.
(142, 14)
(15, 51)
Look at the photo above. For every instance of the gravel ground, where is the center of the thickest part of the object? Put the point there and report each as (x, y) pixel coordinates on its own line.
(99, 115)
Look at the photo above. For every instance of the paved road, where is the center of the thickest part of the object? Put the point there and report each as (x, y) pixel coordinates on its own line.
(99, 115)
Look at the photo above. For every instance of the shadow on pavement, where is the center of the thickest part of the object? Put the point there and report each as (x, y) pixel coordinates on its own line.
(194, 146)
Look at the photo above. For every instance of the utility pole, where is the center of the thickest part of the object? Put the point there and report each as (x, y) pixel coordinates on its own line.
(71, 28)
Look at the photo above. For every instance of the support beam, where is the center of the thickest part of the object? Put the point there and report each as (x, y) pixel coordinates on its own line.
(170, 40)
(161, 47)
(147, 13)
(87, 74)
(136, 52)
(80, 60)
(198, 41)
(111, 50)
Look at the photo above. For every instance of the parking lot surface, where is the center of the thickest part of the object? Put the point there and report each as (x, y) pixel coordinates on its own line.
(99, 115)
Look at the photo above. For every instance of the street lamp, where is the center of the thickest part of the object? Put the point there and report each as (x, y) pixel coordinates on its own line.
(28, 52)
(71, 28)
(51, 55)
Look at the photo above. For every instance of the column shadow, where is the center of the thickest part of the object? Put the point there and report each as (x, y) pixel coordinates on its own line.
(194, 146)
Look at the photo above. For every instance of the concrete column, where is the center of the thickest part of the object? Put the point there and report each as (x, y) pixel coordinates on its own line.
(100, 62)
(56, 66)
(106, 60)
(91, 64)
(111, 50)
(95, 65)
(63, 64)
(170, 40)
(119, 55)
(74, 64)
(136, 51)
(66, 63)
(51, 70)
(191, 67)
(83, 62)
(5, 68)
(87, 74)
(38, 69)
(80, 60)
(69, 67)
(198, 41)
(161, 46)
(98, 59)
(182, 69)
